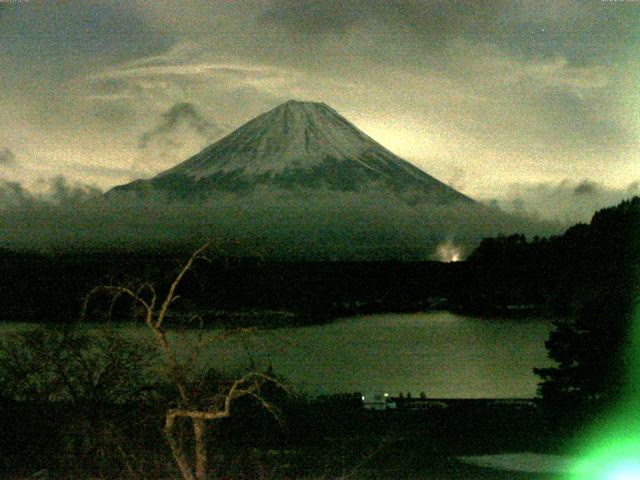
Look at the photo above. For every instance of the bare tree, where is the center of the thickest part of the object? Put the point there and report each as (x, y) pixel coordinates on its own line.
(155, 309)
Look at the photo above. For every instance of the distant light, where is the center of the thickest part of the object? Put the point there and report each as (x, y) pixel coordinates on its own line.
(448, 252)
(362, 397)
(386, 394)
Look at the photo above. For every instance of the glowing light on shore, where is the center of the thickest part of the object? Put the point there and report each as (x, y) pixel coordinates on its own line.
(449, 252)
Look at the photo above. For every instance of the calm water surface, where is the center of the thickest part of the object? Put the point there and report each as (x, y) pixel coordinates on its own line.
(442, 354)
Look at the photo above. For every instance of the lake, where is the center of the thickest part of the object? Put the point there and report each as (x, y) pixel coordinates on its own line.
(442, 354)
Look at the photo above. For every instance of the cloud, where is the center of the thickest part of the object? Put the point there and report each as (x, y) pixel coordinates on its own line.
(598, 28)
(185, 61)
(180, 71)
(228, 92)
(100, 30)
(431, 17)
(280, 223)
(634, 188)
(567, 202)
(64, 193)
(204, 69)
(586, 187)
(329, 16)
(178, 133)
(180, 115)
(7, 157)
(58, 191)
(13, 195)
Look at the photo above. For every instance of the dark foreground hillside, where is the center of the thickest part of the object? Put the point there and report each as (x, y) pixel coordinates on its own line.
(330, 439)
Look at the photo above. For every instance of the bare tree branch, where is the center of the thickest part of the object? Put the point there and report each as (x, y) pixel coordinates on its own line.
(176, 450)
(220, 406)
(172, 289)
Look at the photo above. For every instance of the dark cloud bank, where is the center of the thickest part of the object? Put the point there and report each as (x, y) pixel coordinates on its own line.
(313, 224)
(569, 26)
(280, 224)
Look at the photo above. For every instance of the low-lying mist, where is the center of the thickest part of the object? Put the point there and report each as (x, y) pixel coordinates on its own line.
(311, 224)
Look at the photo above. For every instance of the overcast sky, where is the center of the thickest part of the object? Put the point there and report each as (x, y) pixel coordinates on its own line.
(504, 100)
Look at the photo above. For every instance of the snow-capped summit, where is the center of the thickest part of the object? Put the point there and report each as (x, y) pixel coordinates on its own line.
(297, 145)
(294, 135)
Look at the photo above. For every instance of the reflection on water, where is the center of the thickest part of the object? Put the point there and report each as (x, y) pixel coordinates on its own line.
(442, 354)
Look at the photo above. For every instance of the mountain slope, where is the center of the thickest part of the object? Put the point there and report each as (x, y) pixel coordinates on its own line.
(298, 145)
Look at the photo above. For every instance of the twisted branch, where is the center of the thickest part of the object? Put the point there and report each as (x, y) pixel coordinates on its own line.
(248, 385)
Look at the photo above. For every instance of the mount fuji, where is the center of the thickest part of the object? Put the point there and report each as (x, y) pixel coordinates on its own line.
(302, 181)
(298, 146)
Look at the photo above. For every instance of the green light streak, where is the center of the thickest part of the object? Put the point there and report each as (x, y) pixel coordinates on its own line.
(611, 449)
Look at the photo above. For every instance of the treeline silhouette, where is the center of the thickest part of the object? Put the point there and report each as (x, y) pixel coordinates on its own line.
(50, 289)
(507, 275)
(561, 271)
(589, 275)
